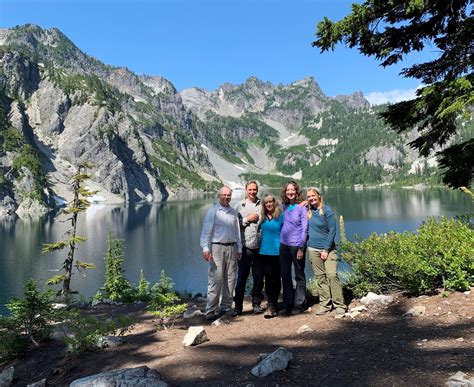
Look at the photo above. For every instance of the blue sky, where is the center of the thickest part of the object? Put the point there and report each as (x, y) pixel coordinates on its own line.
(208, 42)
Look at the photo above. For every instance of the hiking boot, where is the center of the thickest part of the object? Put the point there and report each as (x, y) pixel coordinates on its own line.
(296, 311)
(257, 309)
(284, 312)
(229, 313)
(210, 316)
(271, 312)
(340, 311)
(322, 311)
(238, 310)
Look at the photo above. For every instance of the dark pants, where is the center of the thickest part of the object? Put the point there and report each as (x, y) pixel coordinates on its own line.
(250, 259)
(290, 296)
(271, 273)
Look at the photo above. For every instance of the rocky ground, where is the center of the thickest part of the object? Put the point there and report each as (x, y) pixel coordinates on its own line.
(379, 346)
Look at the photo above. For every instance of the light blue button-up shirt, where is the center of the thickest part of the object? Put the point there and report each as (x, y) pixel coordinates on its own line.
(221, 225)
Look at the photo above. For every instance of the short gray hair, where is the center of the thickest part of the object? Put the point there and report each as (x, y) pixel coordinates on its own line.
(223, 187)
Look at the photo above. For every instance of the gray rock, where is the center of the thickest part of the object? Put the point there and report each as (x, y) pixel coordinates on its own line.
(220, 321)
(276, 361)
(383, 155)
(59, 306)
(360, 308)
(303, 329)
(376, 299)
(416, 311)
(6, 376)
(95, 302)
(354, 313)
(355, 100)
(140, 376)
(109, 342)
(262, 356)
(195, 336)
(39, 383)
(460, 379)
(60, 332)
(192, 311)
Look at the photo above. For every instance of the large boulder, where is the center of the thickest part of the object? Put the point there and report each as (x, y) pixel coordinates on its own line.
(139, 376)
(276, 361)
(195, 336)
(6, 376)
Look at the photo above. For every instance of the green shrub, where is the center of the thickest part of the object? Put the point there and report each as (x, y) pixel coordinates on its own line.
(165, 302)
(143, 291)
(440, 255)
(29, 322)
(116, 286)
(86, 331)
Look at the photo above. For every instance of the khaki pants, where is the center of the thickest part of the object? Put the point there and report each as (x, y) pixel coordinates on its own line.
(327, 281)
(221, 277)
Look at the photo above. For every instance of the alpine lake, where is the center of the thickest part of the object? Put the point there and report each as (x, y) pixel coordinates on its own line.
(165, 236)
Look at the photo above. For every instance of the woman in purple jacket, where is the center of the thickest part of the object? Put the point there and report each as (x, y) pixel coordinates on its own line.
(292, 249)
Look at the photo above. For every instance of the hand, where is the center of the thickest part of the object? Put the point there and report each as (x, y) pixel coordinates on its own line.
(238, 256)
(324, 255)
(299, 254)
(207, 256)
(252, 218)
(304, 203)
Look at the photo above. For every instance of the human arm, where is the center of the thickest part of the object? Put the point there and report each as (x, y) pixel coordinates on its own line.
(303, 230)
(303, 233)
(245, 220)
(238, 238)
(206, 233)
(331, 220)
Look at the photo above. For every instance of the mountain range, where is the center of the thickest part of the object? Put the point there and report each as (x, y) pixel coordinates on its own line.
(145, 141)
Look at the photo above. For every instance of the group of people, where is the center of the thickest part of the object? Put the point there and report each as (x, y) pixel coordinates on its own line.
(268, 239)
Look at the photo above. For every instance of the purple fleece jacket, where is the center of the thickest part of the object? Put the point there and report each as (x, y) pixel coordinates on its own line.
(295, 226)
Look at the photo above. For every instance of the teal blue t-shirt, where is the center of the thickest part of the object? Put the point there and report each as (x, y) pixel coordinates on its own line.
(270, 243)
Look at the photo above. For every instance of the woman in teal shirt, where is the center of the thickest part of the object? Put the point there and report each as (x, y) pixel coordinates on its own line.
(322, 253)
(270, 227)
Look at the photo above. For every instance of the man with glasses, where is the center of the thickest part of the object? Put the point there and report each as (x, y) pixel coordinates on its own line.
(221, 248)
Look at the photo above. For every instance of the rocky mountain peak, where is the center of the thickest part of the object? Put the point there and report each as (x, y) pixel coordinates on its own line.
(308, 83)
(31, 36)
(159, 84)
(355, 100)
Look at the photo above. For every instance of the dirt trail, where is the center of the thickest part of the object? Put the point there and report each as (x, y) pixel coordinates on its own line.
(378, 347)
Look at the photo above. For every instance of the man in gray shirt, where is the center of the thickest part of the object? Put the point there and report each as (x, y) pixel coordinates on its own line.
(221, 248)
(249, 211)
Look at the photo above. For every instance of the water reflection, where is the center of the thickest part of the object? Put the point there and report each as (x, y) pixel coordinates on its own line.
(166, 236)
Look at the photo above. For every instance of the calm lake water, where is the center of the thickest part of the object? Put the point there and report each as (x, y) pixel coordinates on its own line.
(166, 236)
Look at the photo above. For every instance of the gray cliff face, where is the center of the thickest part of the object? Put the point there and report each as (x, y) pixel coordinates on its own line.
(287, 104)
(386, 157)
(355, 100)
(74, 109)
(19, 75)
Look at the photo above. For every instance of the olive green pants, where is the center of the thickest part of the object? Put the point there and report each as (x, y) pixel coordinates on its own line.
(327, 281)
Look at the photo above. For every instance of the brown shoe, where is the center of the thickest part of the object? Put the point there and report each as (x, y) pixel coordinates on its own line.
(271, 312)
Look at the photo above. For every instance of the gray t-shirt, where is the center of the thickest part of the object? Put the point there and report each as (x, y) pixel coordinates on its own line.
(249, 230)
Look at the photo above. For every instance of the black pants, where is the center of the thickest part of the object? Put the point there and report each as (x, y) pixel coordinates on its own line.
(250, 259)
(290, 296)
(271, 273)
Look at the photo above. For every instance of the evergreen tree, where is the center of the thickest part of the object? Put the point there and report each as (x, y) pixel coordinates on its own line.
(78, 205)
(390, 29)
